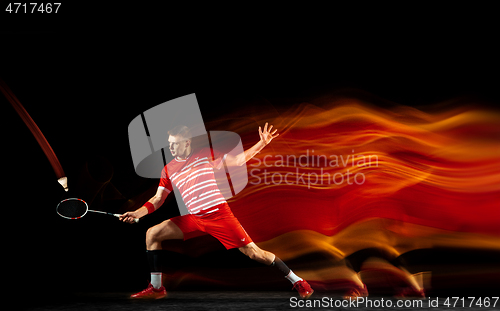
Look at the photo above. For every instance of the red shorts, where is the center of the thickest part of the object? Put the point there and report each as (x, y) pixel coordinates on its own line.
(220, 224)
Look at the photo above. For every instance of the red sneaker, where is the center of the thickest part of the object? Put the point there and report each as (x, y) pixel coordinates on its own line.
(151, 293)
(305, 291)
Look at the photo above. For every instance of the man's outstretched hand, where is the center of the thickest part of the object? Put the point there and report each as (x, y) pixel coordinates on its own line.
(266, 135)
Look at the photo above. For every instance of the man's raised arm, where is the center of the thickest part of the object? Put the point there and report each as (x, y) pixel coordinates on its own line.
(266, 136)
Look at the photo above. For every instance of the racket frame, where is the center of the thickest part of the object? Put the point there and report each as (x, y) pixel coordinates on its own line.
(69, 199)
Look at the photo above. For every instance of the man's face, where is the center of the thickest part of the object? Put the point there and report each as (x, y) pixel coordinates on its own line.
(178, 146)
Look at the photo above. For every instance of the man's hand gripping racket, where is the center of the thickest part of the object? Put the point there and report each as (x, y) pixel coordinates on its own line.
(74, 208)
(129, 217)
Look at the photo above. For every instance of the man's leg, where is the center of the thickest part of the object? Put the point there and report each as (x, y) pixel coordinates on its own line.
(167, 230)
(258, 254)
(268, 258)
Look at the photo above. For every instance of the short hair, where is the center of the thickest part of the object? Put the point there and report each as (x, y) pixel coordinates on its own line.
(181, 130)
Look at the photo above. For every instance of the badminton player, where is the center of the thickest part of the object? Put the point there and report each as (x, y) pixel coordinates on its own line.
(191, 171)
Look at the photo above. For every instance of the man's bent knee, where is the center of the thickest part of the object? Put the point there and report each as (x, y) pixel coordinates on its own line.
(164, 231)
(152, 240)
(152, 233)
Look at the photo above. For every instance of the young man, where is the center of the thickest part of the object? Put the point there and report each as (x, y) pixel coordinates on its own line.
(191, 171)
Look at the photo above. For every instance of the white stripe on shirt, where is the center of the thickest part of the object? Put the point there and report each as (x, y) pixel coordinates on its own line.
(196, 209)
(191, 192)
(206, 162)
(182, 184)
(214, 210)
(185, 168)
(200, 183)
(205, 193)
(208, 196)
(179, 174)
(195, 172)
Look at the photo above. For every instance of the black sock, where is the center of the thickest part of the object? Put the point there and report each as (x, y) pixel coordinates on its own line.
(155, 260)
(278, 263)
(289, 275)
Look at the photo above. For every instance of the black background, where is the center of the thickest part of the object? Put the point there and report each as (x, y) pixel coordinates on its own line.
(85, 74)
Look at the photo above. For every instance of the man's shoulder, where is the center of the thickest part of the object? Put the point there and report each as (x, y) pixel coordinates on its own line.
(203, 152)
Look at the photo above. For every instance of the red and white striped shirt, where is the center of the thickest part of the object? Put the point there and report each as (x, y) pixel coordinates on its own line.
(194, 178)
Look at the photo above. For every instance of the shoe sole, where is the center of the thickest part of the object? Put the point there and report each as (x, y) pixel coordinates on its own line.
(307, 296)
(146, 298)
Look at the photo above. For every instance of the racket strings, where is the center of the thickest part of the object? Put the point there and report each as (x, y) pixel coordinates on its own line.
(72, 208)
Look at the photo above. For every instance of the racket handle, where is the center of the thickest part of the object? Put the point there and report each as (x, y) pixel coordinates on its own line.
(135, 219)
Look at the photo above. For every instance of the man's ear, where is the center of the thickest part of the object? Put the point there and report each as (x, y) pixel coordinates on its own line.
(188, 143)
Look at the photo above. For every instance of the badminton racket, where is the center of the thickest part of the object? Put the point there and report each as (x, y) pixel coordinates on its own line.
(74, 208)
